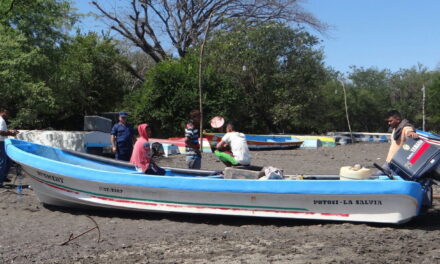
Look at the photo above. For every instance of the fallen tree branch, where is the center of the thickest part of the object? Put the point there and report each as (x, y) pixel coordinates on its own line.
(71, 237)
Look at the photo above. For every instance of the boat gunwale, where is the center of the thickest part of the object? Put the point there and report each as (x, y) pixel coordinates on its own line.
(316, 187)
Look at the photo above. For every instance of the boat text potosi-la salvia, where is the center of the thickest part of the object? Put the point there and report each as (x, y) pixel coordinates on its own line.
(355, 202)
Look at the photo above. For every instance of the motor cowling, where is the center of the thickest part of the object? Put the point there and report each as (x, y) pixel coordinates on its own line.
(417, 159)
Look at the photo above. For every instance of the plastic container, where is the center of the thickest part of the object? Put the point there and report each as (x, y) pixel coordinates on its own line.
(354, 173)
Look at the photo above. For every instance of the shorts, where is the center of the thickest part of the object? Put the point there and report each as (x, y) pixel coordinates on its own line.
(226, 158)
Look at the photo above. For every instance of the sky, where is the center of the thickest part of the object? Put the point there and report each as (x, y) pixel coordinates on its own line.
(385, 34)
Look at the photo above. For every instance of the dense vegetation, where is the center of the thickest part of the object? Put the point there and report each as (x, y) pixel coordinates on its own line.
(261, 74)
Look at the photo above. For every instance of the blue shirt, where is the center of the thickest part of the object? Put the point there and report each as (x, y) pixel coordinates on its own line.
(124, 135)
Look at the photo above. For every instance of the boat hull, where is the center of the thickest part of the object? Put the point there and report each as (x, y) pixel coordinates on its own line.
(261, 142)
(66, 178)
(346, 137)
(60, 190)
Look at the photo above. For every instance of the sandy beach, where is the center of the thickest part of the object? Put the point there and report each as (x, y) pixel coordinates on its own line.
(33, 233)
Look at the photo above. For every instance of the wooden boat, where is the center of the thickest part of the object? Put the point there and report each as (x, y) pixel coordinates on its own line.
(341, 137)
(326, 141)
(67, 178)
(260, 142)
(311, 143)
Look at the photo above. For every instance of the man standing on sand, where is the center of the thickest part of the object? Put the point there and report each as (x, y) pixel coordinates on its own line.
(122, 138)
(237, 143)
(402, 130)
(5, 162)
(192, 146)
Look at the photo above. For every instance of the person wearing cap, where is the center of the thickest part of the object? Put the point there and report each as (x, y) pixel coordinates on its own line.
(142, 154)
(122, 138)
(192, 146)
(233, 149)
(5, 162)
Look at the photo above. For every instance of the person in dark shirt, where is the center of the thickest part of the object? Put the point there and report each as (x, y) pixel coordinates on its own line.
(5, 161)
(402, 130)
(192, 146)
(122, 138)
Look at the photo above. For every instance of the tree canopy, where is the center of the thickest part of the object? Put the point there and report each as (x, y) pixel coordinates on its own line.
(262, 70)
(48, 77)
(152, 24)
(264, 77)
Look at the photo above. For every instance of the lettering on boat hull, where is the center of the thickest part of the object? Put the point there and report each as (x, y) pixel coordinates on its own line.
(50, 177)
(110, 189)
(348, 202)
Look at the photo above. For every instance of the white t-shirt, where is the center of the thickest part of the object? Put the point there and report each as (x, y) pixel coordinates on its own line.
(239, 147)
(3, 127)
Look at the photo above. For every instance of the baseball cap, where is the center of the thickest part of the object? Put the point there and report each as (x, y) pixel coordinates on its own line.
(123, 114)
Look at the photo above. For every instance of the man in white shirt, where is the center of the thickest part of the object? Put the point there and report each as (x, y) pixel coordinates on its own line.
(5, 162)
(236, 141)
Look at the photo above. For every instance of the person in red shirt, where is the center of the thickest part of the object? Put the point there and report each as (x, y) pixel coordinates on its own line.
(142, 154)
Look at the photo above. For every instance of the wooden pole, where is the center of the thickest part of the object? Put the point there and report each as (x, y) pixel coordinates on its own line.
(346, 110)
(202, 49)
(423, 107)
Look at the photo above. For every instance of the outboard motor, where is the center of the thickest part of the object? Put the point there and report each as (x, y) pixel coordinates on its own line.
(415, 160)
(418, 160)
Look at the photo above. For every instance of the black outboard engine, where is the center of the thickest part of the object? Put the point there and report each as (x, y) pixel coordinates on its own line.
(415, 160)
(418, 160)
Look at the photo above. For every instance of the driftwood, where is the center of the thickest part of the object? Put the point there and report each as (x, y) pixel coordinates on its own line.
(72, 237)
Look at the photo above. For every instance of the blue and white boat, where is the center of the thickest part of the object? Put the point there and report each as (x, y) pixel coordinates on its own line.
(429, 137)
(343, 138)
(67, 178)
(261, 142)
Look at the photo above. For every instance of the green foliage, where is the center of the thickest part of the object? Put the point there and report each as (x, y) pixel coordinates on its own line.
(87, 79)
(266, 78)
(29, 31)
(42, 22)
(169, 94)
(369, 99)
(433, 103)
(47, 78)
(371, 93)
(20, 91)
(329, 107)
(406, 87)
(275, 71)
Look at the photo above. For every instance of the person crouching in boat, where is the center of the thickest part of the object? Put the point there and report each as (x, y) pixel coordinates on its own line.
(239, 151)
(142, 154)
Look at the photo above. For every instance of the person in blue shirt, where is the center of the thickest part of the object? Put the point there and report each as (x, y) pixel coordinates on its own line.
(122, 138)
